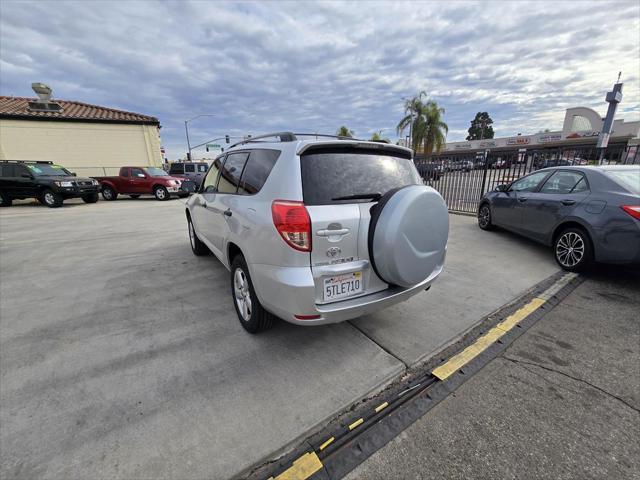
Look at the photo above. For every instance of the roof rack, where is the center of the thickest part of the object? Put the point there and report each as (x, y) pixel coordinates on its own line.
(283, 136)
(28, 161)
(340, 137)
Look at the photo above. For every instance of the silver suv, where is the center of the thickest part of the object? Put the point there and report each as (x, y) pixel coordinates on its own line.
(318, 231)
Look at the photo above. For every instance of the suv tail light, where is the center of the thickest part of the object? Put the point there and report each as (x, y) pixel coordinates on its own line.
(291, 219)
(633, 210)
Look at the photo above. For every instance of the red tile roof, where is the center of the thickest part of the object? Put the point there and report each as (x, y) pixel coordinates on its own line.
(18, 107)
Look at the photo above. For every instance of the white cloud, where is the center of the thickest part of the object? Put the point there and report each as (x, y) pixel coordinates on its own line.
(314, 66)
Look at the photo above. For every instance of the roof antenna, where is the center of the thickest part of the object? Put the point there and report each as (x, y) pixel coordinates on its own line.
(619, 73)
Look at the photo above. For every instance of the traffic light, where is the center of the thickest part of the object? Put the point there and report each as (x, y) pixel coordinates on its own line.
(207, 148)
(188, 156)
(226, 138)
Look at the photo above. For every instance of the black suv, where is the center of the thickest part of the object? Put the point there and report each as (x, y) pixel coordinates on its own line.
(47, 182)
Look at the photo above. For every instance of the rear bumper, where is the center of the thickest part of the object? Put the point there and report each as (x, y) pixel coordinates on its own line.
(287, 292)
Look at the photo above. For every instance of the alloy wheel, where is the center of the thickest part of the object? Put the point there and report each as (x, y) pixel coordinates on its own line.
(484, 216)
(160, 193)
(242, 294)
(49, 199)
(570, 249)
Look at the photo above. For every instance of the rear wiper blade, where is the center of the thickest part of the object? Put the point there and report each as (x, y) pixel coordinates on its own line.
(360, 196)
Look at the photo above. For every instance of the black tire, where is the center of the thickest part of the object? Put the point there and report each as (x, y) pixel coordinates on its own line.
(258, 318)
(91, 198)
(161, 193)
(573, 250)
(4, 200)
(108, 193)
(197, 247)
(51, 199)
(134, 196)
(484, 217)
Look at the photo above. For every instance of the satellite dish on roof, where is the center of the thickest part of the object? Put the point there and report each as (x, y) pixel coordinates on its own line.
(43, 91)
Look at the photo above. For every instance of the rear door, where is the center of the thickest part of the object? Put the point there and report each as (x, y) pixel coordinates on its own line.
(561, 193)
(340, 186)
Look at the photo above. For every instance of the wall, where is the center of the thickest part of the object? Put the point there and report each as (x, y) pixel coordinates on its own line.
(84, 148)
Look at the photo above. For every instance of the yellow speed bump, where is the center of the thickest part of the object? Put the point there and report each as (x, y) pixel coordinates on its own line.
(302, 468)
(458, 361)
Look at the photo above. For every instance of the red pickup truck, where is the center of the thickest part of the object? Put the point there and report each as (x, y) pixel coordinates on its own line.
(136, 181)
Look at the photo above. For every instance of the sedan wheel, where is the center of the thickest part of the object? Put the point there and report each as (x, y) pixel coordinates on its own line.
(484, 217)
(572, 249)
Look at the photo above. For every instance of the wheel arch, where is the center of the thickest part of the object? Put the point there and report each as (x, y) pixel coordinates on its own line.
(232, 251)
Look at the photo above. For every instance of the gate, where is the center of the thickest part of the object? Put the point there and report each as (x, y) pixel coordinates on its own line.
(463, 178)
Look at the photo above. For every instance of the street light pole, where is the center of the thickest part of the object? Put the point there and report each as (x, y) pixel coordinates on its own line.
(186, 130)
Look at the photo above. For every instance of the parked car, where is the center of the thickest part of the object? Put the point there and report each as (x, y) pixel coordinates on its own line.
(194, 171)
(429, 171)
(585, 213)
(136, 181)
(51, 184)
(318, 231)
(500, 163)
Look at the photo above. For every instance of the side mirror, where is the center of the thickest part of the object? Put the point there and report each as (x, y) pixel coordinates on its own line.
(502, 188)
(74, 174)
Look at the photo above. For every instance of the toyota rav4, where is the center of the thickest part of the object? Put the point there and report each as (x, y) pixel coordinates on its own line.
(318, 231)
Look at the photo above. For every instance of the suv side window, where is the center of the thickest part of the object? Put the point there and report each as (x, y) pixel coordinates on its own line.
(124, 172)
(176, 168)
(21, 170)
(257, 170)
(190, 168)
(8, 170)
(211, 180)
(136, 172)
(563, 182)
(231, 172)
(529, 183)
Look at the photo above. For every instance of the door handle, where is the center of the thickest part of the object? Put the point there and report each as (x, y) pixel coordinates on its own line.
(568, 202)
(522, 199)
(330, 233)
(227, 212)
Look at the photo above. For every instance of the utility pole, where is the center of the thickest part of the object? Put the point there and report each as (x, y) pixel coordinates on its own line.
(186, 130)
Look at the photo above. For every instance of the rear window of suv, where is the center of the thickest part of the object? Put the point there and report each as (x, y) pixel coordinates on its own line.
(329, 174)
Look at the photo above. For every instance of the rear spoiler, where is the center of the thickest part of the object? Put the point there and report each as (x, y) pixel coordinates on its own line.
(356, 144)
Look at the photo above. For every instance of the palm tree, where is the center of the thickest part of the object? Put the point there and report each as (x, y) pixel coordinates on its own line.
(344, 132)
(377, 137)
(424, 119)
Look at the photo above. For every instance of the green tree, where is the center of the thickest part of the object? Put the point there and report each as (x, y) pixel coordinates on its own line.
(344, 132)
(480, 128)
(424, 118)
(377, 137)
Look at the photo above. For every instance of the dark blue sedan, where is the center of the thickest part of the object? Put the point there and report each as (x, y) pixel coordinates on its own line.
(585, 213)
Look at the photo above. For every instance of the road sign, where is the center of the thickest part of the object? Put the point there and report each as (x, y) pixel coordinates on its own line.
(213, 145)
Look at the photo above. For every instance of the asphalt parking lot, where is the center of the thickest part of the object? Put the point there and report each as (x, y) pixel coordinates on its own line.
(121, 355)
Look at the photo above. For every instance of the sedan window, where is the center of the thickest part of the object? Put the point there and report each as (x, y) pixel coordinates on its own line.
(563, 182)
(529, 183)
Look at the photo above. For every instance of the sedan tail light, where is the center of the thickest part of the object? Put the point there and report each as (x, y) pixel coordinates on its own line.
(633, 210)
(291, 219)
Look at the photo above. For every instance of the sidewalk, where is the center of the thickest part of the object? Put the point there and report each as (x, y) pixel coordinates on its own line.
(562, 402)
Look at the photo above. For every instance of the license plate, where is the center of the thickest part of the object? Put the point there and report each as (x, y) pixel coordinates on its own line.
(342, 286)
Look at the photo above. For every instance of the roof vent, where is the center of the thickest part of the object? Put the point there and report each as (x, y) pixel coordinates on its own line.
(45, 104)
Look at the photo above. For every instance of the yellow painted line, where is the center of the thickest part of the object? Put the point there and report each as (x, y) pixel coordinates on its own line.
(356, 423)
(327, 443)
(381, 406)
(302, 468)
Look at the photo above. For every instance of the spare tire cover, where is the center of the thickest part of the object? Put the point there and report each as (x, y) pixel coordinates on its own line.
(408, 235)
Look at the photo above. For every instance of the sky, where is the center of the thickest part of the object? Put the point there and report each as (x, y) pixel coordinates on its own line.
(311, 67)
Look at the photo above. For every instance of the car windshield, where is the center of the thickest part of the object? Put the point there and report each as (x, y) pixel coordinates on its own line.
(48, 169)
(629, 179)
(342, 175)
(155, 172)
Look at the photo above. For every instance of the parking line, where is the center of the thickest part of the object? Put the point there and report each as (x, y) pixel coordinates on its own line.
(356, 423)
(456, 362)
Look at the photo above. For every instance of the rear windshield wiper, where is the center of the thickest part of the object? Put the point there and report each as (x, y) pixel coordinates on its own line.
(360, 196)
